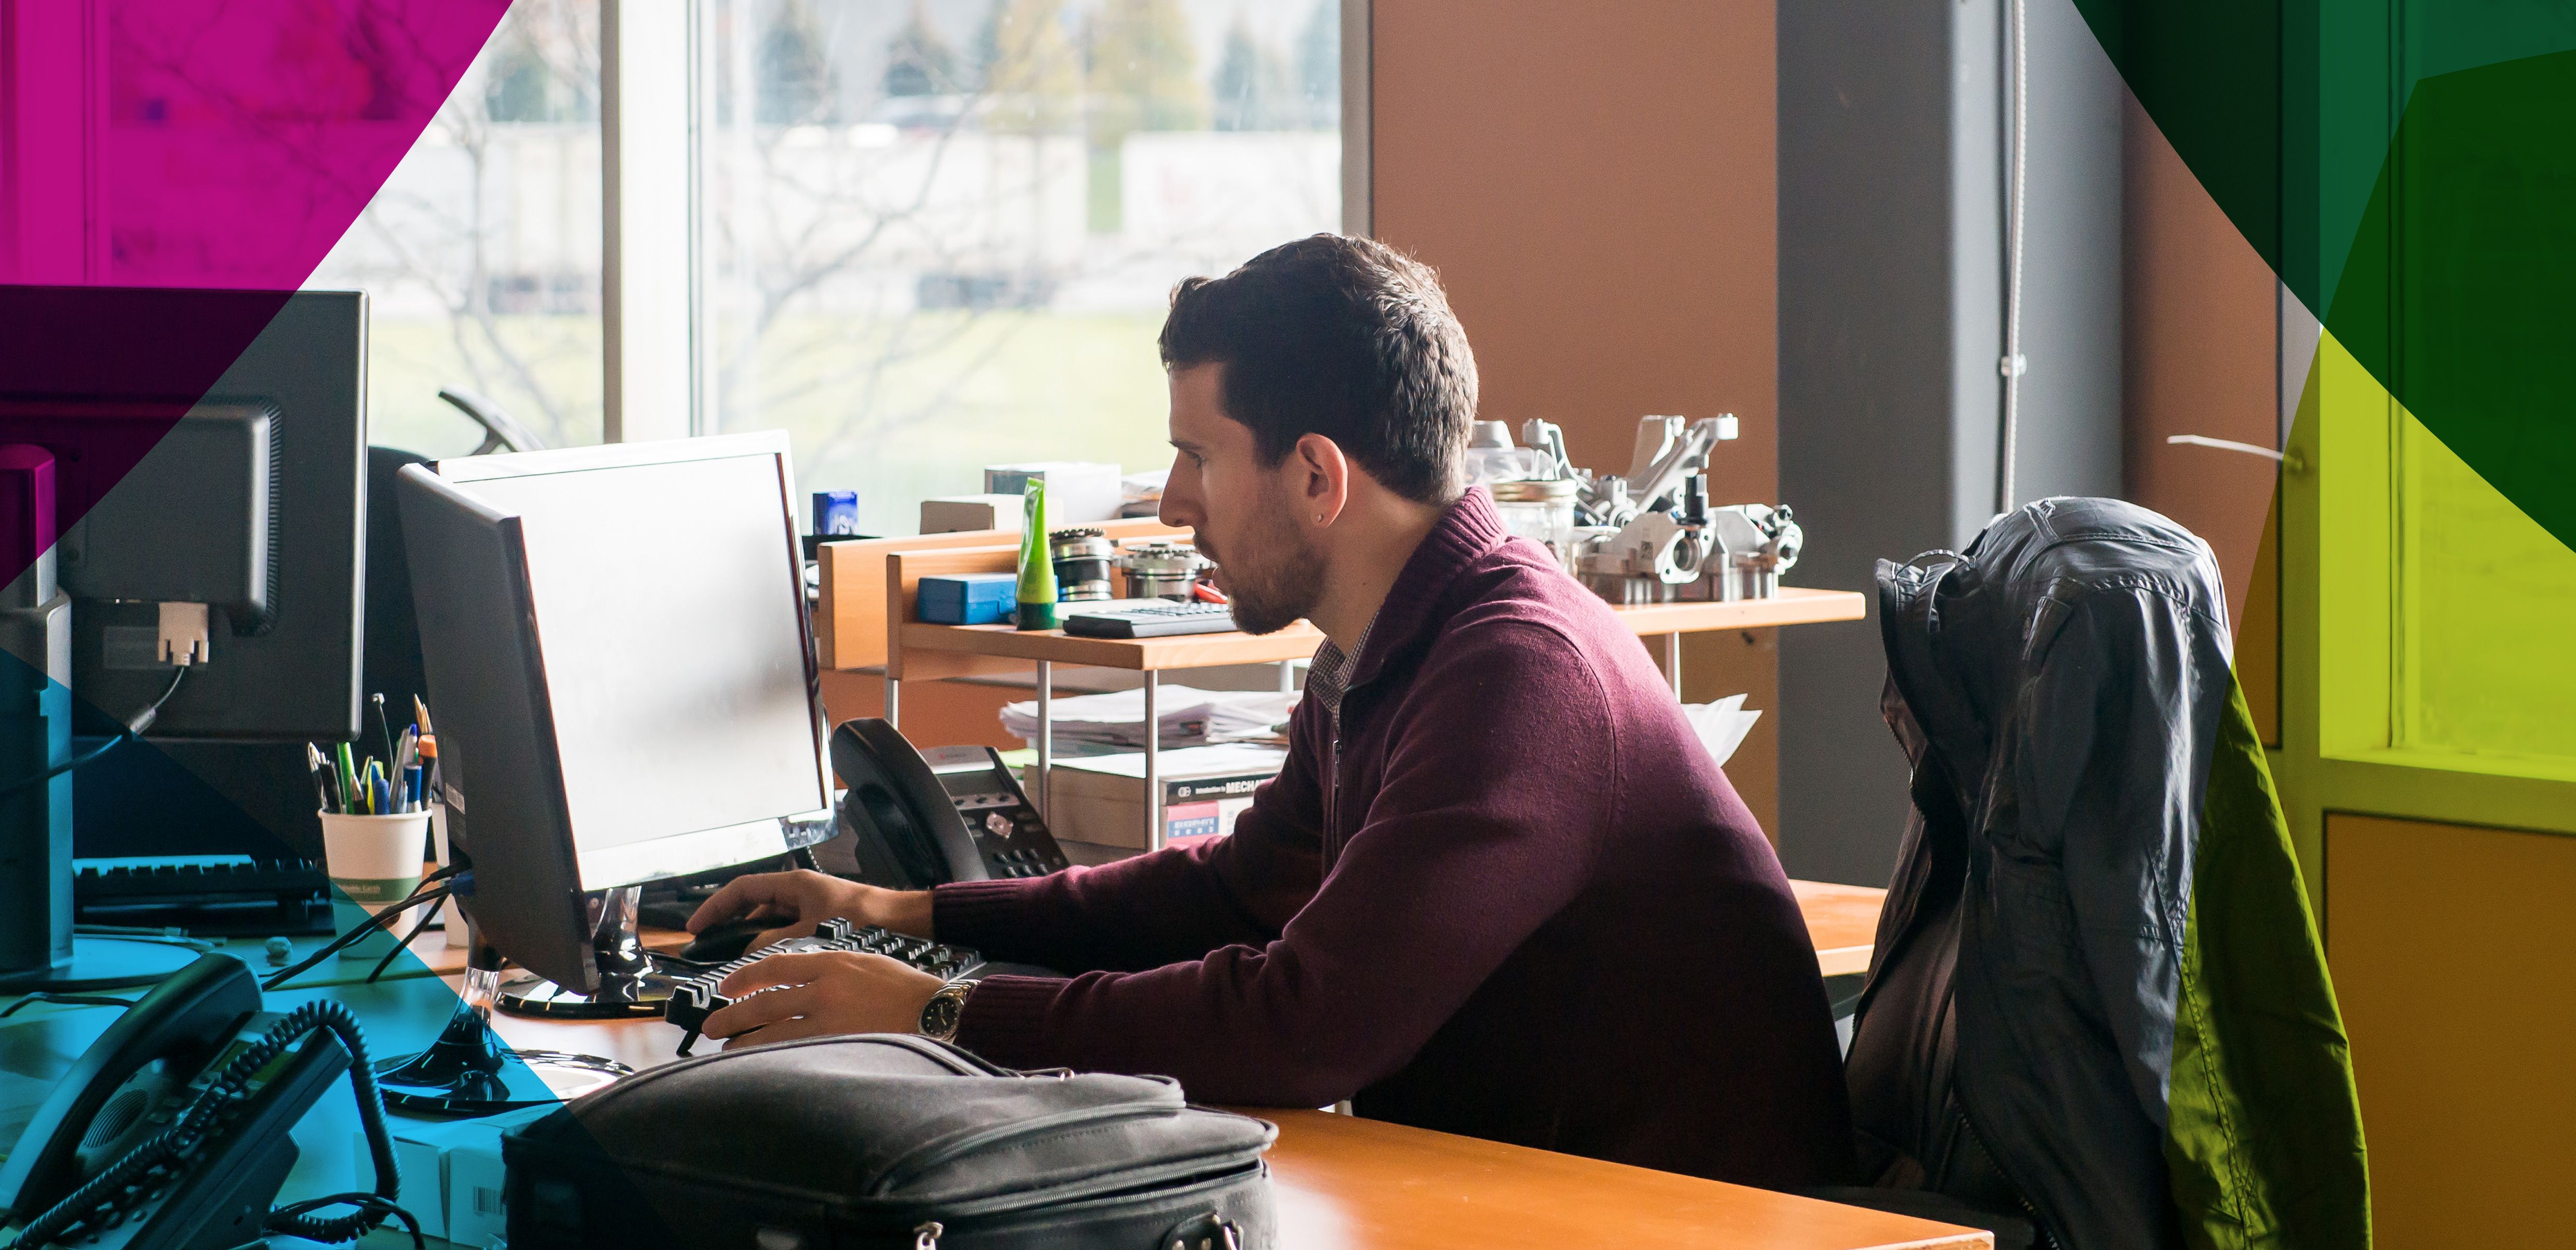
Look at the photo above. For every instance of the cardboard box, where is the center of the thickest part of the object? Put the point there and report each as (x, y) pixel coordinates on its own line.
(1100, 799)
(1078, 492)
(451, 1172)
(953, 514)
(476, 1215)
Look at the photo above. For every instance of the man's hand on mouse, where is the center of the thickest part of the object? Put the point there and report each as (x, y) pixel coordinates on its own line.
(815, 993)
(794, 902)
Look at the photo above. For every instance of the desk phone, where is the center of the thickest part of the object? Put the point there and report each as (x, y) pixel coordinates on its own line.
(694, 998)
(171, 1132)
(954, 814)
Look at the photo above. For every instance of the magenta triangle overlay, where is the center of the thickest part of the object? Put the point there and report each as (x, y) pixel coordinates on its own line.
(215, 150)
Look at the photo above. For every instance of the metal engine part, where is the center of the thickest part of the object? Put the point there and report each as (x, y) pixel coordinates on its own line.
(1754, 543)
(1668, 451)
(1161, 570)
(1645, 561)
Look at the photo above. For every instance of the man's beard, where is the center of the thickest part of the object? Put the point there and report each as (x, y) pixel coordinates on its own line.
(1274, 574)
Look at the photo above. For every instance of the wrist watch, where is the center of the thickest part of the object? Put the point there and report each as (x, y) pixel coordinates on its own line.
(940, 1015)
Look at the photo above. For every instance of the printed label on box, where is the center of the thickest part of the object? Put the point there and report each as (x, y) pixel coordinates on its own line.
(1191, 820)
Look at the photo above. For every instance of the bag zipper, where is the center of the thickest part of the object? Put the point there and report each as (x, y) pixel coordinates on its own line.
(931, 1156)
(1141, 1182)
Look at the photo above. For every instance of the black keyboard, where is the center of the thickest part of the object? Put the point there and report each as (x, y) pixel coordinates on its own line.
(193, 878)
(207, 895)
(1150, 620)
(694, 997)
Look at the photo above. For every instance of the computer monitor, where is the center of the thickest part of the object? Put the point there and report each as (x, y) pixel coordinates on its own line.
(182, 469)
(622, 682)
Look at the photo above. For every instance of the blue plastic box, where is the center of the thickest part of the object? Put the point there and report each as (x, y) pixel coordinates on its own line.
(968, 598)
(836, 512)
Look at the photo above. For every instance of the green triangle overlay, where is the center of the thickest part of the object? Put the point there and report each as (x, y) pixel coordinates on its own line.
(2408, 168)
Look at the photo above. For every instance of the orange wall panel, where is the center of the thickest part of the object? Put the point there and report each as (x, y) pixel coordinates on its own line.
(1595, 183)
(2455, 962)
(2201, 337)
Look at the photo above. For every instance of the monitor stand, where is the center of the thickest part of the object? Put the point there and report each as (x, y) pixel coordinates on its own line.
(630, 987)
(468, 1071)
(105, 963)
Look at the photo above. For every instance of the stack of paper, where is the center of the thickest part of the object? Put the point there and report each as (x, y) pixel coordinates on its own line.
(1721, 725)
(1190, 717)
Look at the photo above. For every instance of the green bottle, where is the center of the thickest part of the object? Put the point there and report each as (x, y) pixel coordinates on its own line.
(1037, 590)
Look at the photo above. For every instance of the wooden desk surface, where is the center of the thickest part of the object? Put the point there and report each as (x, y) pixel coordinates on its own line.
(1345, 1183)
(1794, 605)
(1842, 920)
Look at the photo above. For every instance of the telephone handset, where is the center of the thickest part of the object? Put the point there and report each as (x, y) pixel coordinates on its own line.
(916, 820)
(170, 1133)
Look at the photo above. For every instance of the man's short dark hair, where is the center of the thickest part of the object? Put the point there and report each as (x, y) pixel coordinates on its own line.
(1343, 337)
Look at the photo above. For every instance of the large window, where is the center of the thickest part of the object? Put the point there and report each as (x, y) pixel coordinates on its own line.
(929, 235)
(2484, 598)
(942, 235)
(481, 253)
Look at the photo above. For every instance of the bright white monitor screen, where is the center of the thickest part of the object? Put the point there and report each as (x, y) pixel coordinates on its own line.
(667, 599)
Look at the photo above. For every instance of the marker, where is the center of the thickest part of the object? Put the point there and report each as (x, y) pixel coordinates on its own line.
(349, 796)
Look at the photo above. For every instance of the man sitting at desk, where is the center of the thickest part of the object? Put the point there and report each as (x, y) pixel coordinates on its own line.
(1499, 887)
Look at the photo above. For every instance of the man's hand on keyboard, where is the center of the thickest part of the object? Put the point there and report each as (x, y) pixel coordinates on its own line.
(794, 902)
(815, 993)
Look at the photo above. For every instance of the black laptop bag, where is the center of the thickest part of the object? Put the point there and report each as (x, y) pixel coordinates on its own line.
(884, 1140)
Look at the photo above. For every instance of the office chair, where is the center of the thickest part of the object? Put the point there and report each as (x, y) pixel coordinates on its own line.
(2098, 1015)
(501, 431)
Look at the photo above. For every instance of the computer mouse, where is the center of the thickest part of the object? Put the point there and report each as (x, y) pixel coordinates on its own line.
(724, 943)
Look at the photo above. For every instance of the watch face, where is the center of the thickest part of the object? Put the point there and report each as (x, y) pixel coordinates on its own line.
(939, 1018)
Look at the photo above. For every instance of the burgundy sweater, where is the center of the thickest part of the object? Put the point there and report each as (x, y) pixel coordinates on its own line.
(1513, 898)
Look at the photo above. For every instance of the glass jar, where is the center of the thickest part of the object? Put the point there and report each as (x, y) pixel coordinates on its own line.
(1540, 511)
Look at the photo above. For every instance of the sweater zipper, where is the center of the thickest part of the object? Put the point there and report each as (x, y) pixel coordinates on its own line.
(1333, 780)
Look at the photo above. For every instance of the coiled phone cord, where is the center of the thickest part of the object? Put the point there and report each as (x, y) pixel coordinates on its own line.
(182, 1139)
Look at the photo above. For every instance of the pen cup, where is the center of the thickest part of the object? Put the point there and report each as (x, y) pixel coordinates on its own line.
(374, 862)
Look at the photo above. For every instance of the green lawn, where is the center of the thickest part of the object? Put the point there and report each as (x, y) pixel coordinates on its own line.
(956, 391)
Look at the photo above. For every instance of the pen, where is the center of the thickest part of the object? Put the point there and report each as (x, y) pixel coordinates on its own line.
(380, 795)
(324, 792)
(411, 789)
(383, 726)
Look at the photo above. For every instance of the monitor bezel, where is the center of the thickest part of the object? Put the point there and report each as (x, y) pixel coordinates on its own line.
(699, 850)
